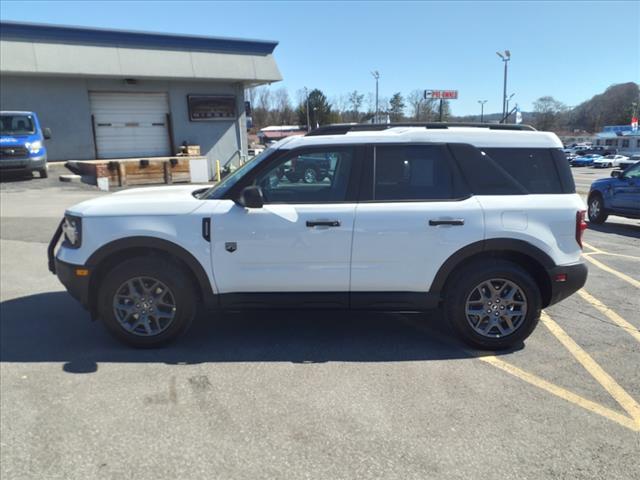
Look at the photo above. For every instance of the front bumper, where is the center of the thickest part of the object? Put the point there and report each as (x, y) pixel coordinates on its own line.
(23, 164)
(75, 278)
(575, 276)
(76, 285)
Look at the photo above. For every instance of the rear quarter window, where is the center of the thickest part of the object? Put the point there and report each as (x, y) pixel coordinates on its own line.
(538, 170)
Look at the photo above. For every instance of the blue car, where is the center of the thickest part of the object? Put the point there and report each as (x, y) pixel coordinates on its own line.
(584, 160)
(618, 195)
(22, 143)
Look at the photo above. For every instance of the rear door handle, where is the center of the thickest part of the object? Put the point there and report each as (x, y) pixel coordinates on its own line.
(453, 221)
(323, 223)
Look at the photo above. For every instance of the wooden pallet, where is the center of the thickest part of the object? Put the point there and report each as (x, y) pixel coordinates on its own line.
(137, 171)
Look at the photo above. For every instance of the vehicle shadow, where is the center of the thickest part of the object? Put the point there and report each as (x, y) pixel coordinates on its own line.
(52, 327)
(9, 177)
(625, 229)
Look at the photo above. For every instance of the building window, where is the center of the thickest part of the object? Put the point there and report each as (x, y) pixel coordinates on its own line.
(625, 143)
(608, 142)
(638, 143)
(598, 142)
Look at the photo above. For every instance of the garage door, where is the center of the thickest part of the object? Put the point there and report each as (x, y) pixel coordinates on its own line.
(130, 124)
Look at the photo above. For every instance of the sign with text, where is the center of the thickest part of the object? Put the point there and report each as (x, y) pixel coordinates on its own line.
(211, 107)
(441, 94)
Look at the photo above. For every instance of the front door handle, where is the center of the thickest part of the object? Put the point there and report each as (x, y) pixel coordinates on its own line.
(323, 223)
(453, 221)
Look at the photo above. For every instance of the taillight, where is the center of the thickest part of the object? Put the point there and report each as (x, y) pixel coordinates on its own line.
(581, 226)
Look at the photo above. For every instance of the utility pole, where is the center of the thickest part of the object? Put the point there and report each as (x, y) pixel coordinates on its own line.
(376, 75)
(506, 115)
(482, 102)
(506, 56)
(306, 94)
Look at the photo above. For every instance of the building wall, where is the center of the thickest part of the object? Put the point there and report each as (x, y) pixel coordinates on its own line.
(62, 104)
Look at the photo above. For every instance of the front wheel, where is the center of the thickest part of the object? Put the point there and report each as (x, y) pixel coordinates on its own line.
(146, 302)
(596, 211)
(43, 172)
(493, 304)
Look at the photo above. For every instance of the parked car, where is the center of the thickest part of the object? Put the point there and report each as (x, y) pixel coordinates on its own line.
(22, 143)
(570, 156)
(618, 195)
(608, 161)
(311, 168)
(630, 160)
(585, 160)
(600, 150)
(483, 221)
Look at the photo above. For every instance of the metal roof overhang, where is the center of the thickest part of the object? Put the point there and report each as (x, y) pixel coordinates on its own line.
(27, 49)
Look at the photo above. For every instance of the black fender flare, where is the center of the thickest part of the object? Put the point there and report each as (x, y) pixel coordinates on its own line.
(173, 249)
(505, 245)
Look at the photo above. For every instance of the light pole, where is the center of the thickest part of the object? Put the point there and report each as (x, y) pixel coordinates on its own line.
(306, 94)
(506, 56)
(507, 111)
(482, 102)
(376, 75)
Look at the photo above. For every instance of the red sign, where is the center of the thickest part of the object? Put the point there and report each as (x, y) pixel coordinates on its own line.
(441, 94)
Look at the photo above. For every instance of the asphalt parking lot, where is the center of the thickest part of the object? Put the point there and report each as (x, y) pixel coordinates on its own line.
(311, 395)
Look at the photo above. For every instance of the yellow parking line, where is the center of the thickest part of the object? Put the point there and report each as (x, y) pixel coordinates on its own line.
(611, 315)
(563, 393)
(625, 400)
(610, 270)
(597, 251)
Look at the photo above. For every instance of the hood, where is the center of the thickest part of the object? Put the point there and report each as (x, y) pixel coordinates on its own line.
(18, 140)
(178, 200)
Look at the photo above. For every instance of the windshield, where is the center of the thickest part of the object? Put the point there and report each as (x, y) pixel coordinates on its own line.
(218, 190)
(16, 125)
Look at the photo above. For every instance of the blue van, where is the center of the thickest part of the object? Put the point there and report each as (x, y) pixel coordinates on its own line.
(22, 143)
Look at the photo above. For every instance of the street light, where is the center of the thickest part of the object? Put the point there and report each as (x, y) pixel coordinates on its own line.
(306, 94)
(507, 114)
(506, 56)
(376, 75)
(482, 102)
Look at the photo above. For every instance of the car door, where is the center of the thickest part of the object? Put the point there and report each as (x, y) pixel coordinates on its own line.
(415, 218)
(300, 240)
(626, 190)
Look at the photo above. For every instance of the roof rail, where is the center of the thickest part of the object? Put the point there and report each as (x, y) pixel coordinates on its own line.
(343, 128)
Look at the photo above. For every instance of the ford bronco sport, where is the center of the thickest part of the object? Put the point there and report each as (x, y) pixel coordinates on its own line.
(480, 220)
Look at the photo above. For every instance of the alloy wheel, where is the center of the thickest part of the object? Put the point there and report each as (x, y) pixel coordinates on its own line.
(496, 308)
(144, 306)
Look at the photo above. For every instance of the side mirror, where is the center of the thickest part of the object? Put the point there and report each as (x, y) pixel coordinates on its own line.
(46, 133)
(617, 173)
(251, 197)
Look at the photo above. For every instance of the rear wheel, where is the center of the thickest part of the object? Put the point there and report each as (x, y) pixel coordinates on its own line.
(597, 213)
(146, 302)
(493, 304)
(310, 175)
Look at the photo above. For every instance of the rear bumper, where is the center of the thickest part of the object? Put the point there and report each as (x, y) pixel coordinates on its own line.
(576, 277)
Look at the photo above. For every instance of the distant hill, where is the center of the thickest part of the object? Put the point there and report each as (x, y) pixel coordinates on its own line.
(613, 107)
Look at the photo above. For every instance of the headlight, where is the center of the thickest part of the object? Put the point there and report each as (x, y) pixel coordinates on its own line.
(72, 229)
(34, 147)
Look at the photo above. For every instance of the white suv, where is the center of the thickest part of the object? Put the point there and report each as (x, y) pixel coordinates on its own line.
(481, 220)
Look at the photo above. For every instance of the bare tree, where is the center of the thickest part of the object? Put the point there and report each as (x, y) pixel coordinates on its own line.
(355, 104)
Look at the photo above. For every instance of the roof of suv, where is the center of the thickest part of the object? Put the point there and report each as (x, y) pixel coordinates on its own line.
(481, 135)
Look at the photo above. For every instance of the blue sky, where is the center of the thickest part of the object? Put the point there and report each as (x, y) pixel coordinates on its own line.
(570, 50)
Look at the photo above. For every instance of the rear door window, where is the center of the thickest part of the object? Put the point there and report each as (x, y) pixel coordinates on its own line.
(412, 172)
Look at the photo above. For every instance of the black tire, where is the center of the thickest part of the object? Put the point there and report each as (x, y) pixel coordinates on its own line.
(43, 172)
(597, 214)
(292, 177)
(173, 276)
(463, 283)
